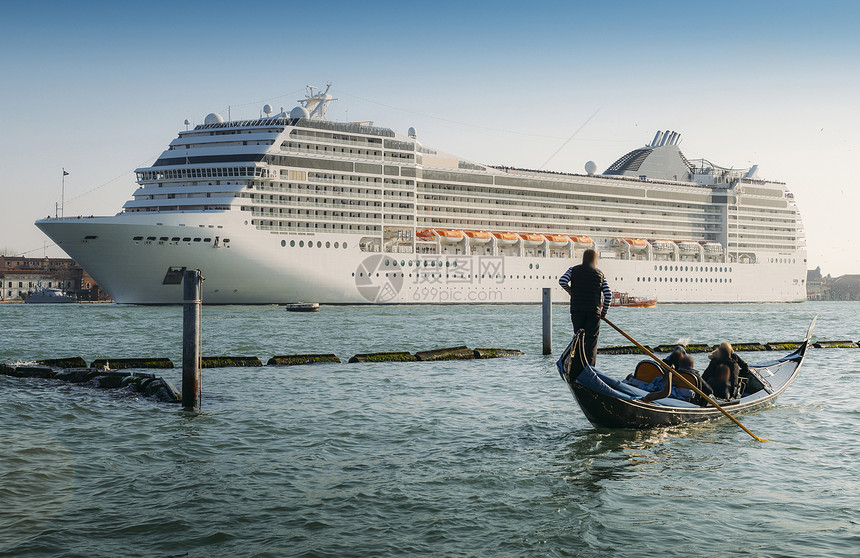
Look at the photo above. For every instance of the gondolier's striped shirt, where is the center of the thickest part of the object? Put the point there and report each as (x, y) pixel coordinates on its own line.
(564, 281)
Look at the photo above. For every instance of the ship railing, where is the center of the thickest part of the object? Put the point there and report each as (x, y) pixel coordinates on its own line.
(565, 222)
(315, 218)
(563, 201)
(328, 206)
(332, 141)
(331, 154)
(353, 183)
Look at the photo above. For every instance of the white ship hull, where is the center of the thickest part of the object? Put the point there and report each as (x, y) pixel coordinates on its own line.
(260, 267)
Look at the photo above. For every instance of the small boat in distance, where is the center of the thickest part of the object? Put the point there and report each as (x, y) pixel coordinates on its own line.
(303, 307)
(624, 299)
(48, 296)
(607, 402)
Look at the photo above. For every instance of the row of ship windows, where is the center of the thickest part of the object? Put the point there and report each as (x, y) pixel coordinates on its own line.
(685, 280)
(178, 239)
(461, 276)
(301, 244)
(781, 260)
(691, 268)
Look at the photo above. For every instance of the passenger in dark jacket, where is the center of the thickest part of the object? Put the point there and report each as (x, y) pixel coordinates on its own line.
(724, 354)
(721, 382)
(675, 357)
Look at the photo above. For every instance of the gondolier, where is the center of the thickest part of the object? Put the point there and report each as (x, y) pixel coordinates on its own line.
(590, 298)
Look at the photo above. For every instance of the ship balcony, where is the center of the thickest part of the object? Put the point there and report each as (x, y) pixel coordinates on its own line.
(315, 218)
(331, 153)
(294, 136)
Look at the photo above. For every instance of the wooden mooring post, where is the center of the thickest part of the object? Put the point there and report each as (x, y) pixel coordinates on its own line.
(192, 300)
(547, 321)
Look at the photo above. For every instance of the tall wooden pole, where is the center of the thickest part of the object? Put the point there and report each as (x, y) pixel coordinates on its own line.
(192, 300)
(547, 320)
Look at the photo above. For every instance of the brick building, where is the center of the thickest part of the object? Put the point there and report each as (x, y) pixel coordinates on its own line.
(21, 276)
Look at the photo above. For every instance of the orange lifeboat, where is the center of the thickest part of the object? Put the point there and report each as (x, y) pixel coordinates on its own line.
(425, 234)
(479, 237)
(558, 240)
(450, 236)
(532, 239)
(506, 239)
(635, 244)
(581, 241)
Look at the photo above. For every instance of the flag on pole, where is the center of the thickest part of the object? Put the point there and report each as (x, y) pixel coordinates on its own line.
(65, 173)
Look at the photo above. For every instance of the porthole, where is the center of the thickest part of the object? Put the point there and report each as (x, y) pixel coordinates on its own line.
(447, 264)
(402, 264)
(537, 266)
(344, 245)
(292, 244)
(661, 268)
(283, 243)
(319, 243)
(310, 243)
(455, 264)
(655, 268)
(386, 263)
(337, 245)
(410, 265)
(328, 244)
(530, 266)
(301, 243)
(637, 279)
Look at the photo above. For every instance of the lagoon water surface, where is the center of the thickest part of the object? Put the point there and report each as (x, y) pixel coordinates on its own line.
(468, 458)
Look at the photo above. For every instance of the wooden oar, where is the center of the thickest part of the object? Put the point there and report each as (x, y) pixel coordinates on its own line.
(683, 380)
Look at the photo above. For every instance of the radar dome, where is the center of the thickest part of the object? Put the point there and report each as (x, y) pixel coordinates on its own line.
(412, 133)
(267, 108)
(590, 167)
(213, 118)
(299, 112)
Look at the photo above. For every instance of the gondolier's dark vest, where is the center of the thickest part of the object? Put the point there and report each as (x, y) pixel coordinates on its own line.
(585, 293)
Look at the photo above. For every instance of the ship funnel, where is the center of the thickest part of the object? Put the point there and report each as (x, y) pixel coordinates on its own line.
(664, 138)
(678, 138)
(656, 137)
(672, 137)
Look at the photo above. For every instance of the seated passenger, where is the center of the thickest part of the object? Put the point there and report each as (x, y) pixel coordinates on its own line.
(686, 363)
(721, 382)
(675, 356)
(724, 354)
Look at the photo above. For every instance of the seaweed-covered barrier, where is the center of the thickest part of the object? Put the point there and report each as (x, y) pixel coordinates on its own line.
(148, 385)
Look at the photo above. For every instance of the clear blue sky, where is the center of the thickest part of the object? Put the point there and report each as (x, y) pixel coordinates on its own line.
(100, 88)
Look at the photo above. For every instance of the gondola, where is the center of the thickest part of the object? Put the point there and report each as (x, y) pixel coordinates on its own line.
(611, 403)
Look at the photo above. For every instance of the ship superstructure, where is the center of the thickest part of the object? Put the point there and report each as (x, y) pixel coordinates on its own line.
(294, 207)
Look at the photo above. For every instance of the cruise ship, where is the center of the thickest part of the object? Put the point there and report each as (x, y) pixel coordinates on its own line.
(294, 207)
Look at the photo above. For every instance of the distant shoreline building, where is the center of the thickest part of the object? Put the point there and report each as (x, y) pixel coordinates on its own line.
(21, 276)
(820, 287)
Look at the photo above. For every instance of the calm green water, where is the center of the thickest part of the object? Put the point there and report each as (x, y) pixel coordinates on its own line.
(452, 459)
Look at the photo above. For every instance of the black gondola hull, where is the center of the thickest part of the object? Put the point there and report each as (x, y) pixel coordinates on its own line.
(602, 410)
(605, 403)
